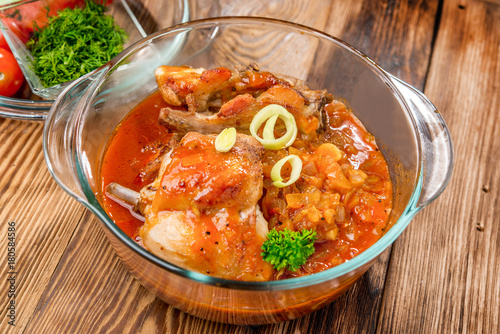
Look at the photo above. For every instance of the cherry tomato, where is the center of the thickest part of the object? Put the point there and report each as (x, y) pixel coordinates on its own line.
(22, 20)
(3, 42)
(17, 28)
(38, 13)
(11, 77)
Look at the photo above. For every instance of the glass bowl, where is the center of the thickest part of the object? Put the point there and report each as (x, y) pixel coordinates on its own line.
(131, 15)
(410, 132)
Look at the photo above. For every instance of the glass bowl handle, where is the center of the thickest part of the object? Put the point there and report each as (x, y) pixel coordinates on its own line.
(24, 110)
(435, 141)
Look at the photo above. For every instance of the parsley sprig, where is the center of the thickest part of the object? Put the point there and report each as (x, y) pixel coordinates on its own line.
(288, 249)
(75, 42)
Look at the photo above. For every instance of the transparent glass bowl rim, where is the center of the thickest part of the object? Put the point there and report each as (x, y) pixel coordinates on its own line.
(343, 269)
(38, 109)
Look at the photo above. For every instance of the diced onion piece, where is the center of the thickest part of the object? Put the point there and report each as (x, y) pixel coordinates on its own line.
(270, 114)
(294, 175)
(225, 140)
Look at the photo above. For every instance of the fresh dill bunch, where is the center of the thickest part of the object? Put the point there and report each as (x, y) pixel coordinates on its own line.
(74, 43)
(288, 249)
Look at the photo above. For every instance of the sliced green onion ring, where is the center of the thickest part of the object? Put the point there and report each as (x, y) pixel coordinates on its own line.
(225, 140)
(268, 133)
(270, 115)
(294, 175)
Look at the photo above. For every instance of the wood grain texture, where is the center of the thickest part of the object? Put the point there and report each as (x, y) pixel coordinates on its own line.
(312, 13)
(231, 49)
(441, 274)
(97, 293)
(45, 217)
(398, 35)
(445, 268)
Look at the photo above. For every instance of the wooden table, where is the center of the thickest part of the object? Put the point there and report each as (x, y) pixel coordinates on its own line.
(441, 276)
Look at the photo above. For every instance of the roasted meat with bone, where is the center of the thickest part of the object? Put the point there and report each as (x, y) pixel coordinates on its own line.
(201, 212)
(221, 98)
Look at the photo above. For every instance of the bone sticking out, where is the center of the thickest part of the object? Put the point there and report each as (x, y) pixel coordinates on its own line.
(122, 193)
(126, 197)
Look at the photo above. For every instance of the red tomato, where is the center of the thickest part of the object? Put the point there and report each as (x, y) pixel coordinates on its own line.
(11, 77)
(36, 12)
(16, 27)
(23, 18)
(3, 42)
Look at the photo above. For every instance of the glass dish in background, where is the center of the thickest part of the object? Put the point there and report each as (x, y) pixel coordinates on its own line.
(137, 17)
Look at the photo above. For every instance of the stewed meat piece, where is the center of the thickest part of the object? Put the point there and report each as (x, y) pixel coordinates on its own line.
(201, 212)
(220, 98)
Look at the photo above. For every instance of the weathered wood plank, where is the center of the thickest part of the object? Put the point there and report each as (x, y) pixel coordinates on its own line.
(91, 291)
(44, 220)
(398, 35)
(268, 45)
(452, 285)
(312, 13)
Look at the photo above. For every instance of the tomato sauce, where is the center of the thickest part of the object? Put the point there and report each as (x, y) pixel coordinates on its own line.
(135, 143)
(348, 203)
(353, 194)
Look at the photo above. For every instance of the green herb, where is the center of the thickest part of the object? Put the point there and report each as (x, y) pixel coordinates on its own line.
(288, 249)
(75, 42)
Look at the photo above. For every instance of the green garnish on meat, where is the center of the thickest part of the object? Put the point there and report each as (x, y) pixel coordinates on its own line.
(288, 249)
(75, 42)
